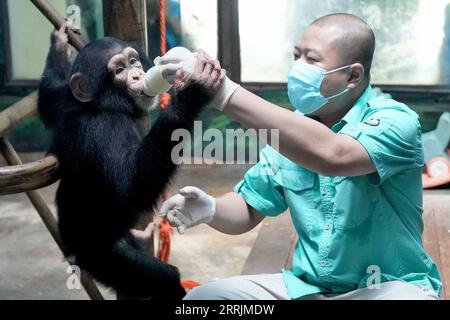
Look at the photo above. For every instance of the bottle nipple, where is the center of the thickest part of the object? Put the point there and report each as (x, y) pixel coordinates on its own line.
(154, 83)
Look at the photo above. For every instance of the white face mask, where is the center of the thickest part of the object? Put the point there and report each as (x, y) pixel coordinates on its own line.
(304, 82)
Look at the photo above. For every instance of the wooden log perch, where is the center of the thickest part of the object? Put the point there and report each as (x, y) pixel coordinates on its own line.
(29, 176)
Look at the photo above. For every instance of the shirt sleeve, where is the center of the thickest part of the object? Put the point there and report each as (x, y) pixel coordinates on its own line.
(392, 138)
(259, 189)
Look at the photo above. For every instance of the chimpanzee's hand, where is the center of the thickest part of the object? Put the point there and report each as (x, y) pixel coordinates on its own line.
(60, 39)
(207, 74)
(145, 236)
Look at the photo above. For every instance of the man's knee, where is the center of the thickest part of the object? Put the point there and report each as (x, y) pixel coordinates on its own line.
(226, 289)
(216, 290)
(399, 290)
(204, 292)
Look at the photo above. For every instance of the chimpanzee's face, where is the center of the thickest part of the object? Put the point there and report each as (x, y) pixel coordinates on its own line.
(127, 73)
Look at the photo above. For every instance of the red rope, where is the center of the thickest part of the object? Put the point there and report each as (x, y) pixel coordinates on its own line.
(162, 26)
(165, 97)
(165, 230)
(164, 237)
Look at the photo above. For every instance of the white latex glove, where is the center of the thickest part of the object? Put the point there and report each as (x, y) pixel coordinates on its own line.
(174, 59)
(180, 57)
(191, 207)
(162, 75)
(222, 97)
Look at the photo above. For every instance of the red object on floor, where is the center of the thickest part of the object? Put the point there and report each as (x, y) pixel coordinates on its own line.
(189, 284)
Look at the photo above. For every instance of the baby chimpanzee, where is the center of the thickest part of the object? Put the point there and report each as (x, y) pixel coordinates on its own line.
(109, 173)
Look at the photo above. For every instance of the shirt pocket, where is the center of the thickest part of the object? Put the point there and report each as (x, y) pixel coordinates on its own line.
(294, 178)
(353, 202)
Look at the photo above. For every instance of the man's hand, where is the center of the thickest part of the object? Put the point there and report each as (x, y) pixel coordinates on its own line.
(206, 72)
(189, 208)
(226, 89)
(179, 64)
(175, 59)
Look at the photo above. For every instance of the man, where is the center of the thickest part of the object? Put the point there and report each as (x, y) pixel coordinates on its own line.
(348, 169)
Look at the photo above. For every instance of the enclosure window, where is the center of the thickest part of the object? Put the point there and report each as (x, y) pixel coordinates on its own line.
(413, 37)
(199, 25)
(189, 23)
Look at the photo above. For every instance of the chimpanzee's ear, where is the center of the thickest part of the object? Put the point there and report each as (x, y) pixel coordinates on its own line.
(81, 90)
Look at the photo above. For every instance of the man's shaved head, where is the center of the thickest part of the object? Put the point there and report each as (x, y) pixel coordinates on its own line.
(350, 36)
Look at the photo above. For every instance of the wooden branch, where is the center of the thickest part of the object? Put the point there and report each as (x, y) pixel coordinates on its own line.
(229, 41)
(16, 114)
(52, 15)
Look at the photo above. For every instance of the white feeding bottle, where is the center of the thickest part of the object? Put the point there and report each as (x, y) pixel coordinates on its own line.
(154, 82)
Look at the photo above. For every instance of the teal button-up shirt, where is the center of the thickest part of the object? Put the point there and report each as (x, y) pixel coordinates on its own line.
(353, 231)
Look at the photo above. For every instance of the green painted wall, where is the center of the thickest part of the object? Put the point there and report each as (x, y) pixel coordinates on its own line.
(29, 33)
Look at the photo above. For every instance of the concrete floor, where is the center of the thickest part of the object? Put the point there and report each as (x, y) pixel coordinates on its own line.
(32, 267)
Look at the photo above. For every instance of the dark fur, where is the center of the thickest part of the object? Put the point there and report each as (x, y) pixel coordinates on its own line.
(109, 174)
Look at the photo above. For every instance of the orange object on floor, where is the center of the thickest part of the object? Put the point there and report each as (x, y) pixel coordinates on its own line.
(437, 173)
(189, 284)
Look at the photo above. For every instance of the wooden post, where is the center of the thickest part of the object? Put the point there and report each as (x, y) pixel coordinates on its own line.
(229, 41)
(127, 20)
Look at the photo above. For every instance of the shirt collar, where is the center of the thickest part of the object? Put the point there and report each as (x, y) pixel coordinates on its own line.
(354, 114)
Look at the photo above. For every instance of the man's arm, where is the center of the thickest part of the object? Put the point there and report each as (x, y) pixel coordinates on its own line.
(302, 140)
(233, 215)
(192, 206)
